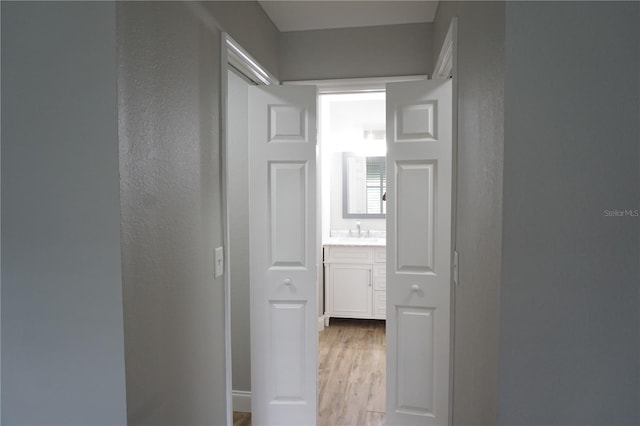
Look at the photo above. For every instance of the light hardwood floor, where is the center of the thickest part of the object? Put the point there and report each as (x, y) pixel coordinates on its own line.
(241, 419)
(351, 375)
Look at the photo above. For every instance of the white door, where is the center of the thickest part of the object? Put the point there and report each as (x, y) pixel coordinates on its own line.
(282, 201)
(419, 155)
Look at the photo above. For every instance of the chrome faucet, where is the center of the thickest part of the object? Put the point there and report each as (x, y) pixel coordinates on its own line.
(358, 228)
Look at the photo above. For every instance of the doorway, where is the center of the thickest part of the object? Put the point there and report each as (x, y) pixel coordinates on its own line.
(352, 345)
(239, 73)
(413, 260)
(372, 231)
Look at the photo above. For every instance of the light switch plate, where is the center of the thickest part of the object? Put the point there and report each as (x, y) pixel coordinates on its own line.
(219, 262)
(456, 268)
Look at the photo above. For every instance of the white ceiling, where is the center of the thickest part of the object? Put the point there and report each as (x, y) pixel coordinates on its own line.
(299, 15)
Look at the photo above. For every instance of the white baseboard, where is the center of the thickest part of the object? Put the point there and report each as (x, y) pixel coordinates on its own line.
(321, 323)
(241, 401)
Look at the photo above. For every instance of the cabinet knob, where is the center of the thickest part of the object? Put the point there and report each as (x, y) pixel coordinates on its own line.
(287, 281)
(415, 287)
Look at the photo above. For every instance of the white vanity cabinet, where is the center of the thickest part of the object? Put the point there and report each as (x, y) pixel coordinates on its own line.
(355, 282)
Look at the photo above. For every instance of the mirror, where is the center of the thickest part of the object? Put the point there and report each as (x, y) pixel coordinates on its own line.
(364, 181)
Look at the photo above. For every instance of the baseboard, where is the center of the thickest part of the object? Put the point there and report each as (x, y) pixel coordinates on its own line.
(321, 323)
(241, 401)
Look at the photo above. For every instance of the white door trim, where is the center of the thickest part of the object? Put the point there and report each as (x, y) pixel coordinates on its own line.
(444, 64)
(241, 401)
(241, 60)
(235, 56)
(351, 85)
(447, 67)
(225, 221)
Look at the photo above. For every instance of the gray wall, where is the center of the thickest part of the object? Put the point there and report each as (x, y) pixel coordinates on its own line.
(479, 80)
(238, 198)
(390, 50)
(62, 338)
(248, 24)
(169, 100)
(569, 302)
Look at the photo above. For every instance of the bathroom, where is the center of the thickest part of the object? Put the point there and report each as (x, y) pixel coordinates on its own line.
(353, 186)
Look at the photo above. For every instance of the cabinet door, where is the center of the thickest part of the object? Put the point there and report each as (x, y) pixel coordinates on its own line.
(350, 291)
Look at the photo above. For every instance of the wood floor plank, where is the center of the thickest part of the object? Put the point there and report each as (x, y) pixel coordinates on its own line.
(241, 419)
(351, 375)
(351, 382)
(377, 395)
(359, 384)
(374, 418)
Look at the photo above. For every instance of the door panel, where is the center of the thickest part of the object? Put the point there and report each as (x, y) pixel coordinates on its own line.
(287, 193)
(419, 154)
(282, 218)
(287, 347)
(414, 191)
(415, 360)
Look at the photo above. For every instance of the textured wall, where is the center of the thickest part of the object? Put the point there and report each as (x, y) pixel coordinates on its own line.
(390, 50)
(569, 302)
(169, 100)
(479, 80)
(62, 341)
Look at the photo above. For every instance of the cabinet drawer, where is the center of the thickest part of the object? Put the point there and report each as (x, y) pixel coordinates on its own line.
(380, 305)
(380, 276)
(380, 254)
(340, 254)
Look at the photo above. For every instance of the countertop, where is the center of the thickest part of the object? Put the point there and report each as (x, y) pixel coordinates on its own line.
(366, 242)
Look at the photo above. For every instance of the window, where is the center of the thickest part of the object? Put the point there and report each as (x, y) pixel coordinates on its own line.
(376, 185)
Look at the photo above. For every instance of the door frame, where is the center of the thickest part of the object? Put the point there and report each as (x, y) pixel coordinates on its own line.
(234, 56)
(447, 67)
(354, 85)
